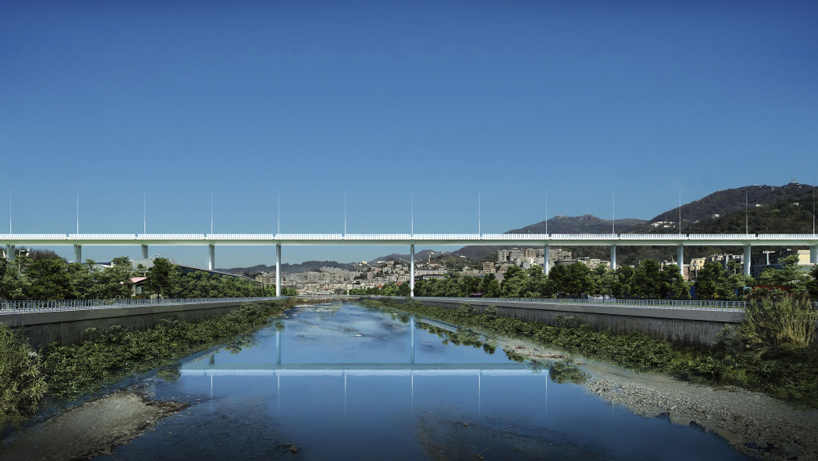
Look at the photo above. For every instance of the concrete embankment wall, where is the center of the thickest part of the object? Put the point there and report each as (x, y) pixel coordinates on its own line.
(682, 326)
(69, 327)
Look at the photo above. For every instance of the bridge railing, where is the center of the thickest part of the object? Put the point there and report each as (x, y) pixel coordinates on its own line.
(240, 237)
(613, 302)
(651, 236)
(446, 237)
(27, 306)
(722, 236)
(377, 237)
(27, 237)
(101, 236)
(808, 239)
(786, 237)
(514, 237)
(170, 237)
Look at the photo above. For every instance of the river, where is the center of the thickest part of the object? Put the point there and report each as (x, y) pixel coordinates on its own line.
(341, 381)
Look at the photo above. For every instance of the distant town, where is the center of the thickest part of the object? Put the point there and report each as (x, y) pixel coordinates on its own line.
(333, 280)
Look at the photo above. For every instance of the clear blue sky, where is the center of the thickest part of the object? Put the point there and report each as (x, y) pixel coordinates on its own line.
(378, 99)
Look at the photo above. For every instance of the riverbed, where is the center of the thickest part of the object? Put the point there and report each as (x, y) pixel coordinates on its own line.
(342, 381)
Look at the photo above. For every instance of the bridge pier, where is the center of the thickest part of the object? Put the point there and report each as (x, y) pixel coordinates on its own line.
(278, 347)
(613, 257)
(813, 254)
(211, 257)
(412, 340)
(78, 253)
(680, 257)
(747, 260)
(278, 269)
(545, 261)
(10, 250)
(412, 270)
(144, 252)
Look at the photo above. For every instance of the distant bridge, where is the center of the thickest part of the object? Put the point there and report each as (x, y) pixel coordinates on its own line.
(544, 240)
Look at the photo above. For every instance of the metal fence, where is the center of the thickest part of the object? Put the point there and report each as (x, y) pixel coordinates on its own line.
(613, 302)
(18, 307)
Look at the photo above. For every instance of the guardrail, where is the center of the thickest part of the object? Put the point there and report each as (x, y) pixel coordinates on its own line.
(612, 238)
(27, 306)
(638, 303)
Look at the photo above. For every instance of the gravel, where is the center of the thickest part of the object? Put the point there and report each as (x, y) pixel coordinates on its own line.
(752, 422)
(90, 430)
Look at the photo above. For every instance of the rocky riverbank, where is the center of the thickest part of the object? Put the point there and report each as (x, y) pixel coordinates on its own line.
(90, 430)
(753, 423)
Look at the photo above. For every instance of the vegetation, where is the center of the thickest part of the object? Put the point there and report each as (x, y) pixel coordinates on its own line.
(775, 324)
(785, 366)
(66, 371)
(52, 278)
(788, 277)
(649, 280)
(22, 384)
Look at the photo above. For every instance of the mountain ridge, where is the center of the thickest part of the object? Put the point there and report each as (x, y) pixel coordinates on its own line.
(754, 209)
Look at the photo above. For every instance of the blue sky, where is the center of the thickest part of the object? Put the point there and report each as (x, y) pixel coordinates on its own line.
(379, 100)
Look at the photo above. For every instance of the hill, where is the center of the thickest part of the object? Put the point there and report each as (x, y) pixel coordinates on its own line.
(397, 257)
(768, 209)
(585, 224)
(289, 268)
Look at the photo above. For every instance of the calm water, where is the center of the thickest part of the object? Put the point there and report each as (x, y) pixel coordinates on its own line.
(346, 382)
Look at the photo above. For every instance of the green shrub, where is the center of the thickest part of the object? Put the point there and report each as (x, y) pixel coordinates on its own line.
(741, 357)
(772, 324)
(21, 382)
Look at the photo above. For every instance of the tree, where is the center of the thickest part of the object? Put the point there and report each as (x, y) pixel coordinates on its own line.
(648, 280)
(812, 284)
(673, 282)
(514, 283)
(163, 278)
(490, 287)
(48, 279)
(573, 280)
(538, 286)
(82, 280)
(710, 281)
(605, 281)
(469, 285)
(13, 285)
(624, 281)
(789, 276)
(558, 279)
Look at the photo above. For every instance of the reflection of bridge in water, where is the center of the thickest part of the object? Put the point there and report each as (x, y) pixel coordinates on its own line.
(211, 368)
(343, 371)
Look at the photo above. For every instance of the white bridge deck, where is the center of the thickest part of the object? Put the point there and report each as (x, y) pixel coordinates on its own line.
(415, 239)
(10, 241)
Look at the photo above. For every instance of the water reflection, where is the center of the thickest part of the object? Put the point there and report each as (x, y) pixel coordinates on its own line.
(347, 382)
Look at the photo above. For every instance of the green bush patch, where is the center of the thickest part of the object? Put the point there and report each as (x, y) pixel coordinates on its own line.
(771, 352)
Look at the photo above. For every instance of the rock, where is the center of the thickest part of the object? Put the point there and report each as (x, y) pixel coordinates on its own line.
(680, 420)
(731, 437)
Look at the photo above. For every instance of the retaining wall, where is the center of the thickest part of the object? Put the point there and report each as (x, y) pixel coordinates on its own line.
(682, 326)
(68, 327)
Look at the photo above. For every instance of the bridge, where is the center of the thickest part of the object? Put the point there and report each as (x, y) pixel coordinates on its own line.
(11, 241)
